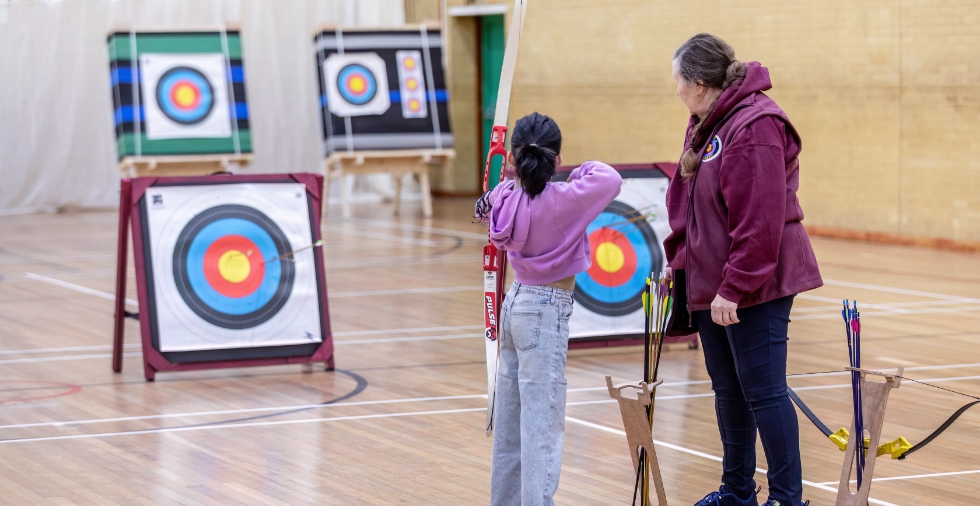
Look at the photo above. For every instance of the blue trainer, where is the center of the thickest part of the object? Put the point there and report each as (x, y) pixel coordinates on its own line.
(723, 498)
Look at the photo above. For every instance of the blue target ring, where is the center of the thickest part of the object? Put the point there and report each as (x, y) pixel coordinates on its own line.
(357, 84)
(185, 95)
(626, 297)
(195, 266)
(265, 296)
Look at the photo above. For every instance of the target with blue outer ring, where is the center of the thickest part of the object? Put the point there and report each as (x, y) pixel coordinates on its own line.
(185, 95)
(625, 250)
(357, 84)
(227, 267)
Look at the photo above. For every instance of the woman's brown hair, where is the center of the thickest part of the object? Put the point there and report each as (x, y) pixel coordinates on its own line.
(705, 60)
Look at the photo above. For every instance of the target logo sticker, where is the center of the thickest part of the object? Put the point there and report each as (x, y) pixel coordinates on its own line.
(713, 150)
(185, 95)
(411, 82)
(357, 84)
(233, 267)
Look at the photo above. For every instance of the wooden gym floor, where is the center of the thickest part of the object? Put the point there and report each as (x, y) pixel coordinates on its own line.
(405, 307)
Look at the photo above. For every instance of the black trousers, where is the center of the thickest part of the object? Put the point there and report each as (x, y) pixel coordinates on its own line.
(747, 365)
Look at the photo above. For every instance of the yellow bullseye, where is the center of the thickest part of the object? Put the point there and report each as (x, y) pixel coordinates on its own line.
(184, 95)
(357, 84)
(610, 257)
(234, 266)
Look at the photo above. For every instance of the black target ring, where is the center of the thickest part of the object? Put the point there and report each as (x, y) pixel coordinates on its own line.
(279, 275)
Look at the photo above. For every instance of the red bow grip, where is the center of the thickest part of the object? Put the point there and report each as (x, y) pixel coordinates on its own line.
(497, 137)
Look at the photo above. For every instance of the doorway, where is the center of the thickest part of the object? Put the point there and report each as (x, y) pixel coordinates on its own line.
(492, 45)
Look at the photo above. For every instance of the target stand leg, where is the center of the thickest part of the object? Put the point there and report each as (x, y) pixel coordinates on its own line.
(639, 433)
(875, 400)
(328, 365)
(149, 372)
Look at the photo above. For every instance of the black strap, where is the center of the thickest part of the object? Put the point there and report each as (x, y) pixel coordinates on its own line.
(639, 470)
(940, 430)
(809, 414)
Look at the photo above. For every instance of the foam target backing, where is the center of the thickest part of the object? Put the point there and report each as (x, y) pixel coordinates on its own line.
(231, 266)
(626, 245)
(178, 93)
(382, 90)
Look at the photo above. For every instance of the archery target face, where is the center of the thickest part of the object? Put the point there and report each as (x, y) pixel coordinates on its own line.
(357, 84)
(185, 95)
(625, 243)
(222, 274)
(412, 84)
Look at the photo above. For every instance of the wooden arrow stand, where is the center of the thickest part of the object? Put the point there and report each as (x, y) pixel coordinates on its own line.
(638, 430)
(875, 399)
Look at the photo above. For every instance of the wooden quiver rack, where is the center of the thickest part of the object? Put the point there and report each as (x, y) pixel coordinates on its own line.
(875, 399)
(639, 433)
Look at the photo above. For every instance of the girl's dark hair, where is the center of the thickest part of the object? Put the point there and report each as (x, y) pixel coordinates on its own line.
(535, 143)
(705, 60)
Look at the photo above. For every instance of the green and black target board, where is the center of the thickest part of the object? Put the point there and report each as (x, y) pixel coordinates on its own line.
(178, 93)
(382, 90)
(626, 246)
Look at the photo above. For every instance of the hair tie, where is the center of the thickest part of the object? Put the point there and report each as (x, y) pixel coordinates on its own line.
(533, 144)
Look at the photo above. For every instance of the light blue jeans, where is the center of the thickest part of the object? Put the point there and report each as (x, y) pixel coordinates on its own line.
(529, 415)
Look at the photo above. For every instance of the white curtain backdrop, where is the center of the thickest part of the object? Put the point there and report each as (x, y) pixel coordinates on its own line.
(56, 133)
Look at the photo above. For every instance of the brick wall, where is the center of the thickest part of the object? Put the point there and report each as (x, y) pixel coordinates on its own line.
(886, 95)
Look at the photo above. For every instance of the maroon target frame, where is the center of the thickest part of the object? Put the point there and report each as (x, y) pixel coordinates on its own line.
(627, 170)
(131, 193)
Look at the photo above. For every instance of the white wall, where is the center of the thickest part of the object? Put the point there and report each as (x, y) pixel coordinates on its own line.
(56, 131)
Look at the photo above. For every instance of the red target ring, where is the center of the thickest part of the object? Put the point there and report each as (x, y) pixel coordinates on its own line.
(613, 258)
(233, 266)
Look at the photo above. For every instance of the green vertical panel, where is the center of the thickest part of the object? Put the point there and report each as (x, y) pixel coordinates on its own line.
(492, 45)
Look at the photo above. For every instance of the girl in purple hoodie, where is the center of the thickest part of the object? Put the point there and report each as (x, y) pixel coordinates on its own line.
(542, 227)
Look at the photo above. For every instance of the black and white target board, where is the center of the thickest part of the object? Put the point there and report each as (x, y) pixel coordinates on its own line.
(626, 245)
(382, 90)
(230, 269)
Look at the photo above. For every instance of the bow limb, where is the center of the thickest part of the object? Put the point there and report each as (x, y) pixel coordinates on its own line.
(508, 71)
(494, 260)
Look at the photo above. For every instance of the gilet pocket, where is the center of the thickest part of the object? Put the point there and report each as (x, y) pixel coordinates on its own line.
(525, 327)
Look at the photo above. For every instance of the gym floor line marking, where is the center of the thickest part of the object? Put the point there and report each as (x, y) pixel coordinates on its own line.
(95, 347)
(77, 288)
(334, 295)
(385, 415)
(240, 425)
(708, 456)
(403, 291)
(910, 312)
(65, 358)
(903, 291)
(68, 348)
(397, 401)
(336, 343)
(421, 228)
(912, 477)
(376, 235)
(818, 298)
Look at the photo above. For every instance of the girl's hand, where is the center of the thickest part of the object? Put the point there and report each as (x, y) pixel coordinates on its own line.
(723, 311)
(669, 273)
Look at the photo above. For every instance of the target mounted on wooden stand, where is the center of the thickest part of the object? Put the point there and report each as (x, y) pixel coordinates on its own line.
(228, 270)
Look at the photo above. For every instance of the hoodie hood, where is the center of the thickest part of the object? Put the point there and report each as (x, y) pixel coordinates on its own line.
(756, 80)
(510, 218)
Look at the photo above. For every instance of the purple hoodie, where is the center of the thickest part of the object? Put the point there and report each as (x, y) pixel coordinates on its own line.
(736, 223)
(545, 236)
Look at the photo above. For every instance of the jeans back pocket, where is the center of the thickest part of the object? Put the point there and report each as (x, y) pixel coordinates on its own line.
(525, 327)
